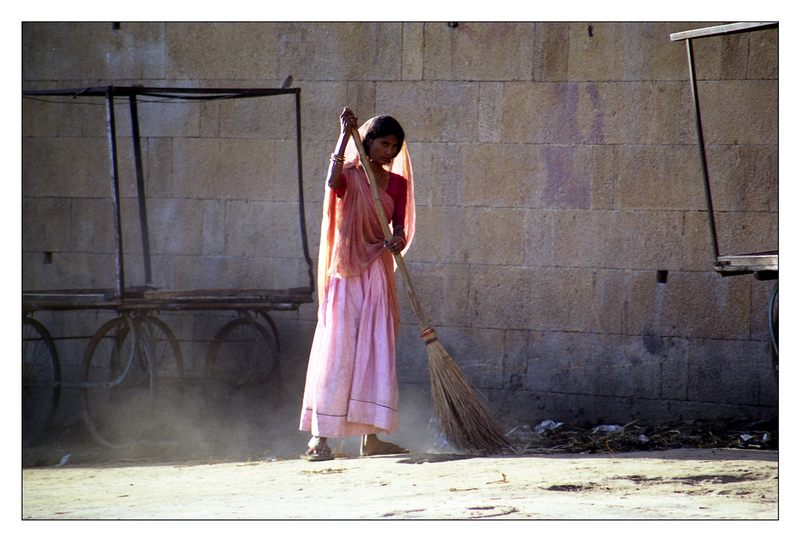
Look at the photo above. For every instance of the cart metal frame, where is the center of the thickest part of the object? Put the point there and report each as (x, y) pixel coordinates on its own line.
(135, 305)
(763, 265)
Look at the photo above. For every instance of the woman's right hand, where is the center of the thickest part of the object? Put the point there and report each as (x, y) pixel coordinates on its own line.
(349, 121)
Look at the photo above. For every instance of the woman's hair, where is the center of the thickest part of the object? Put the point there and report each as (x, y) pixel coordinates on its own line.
(382, 126)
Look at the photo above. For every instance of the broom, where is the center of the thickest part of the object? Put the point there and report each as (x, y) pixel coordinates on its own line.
(461, 410)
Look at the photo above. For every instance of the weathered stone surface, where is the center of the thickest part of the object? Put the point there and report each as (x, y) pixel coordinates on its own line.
(413, 51)
(762, 62)
(92, 51)
(731, 372)
(61, 167)
(52, 219)
(739, 112)
(427, 110)
(256, 229)
(443, 292)
(690, 304)
(743, 178)
(659, 177)
(551, 51)
(479, 51)
(590, 364)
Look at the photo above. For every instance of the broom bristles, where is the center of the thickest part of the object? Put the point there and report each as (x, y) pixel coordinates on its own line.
(463, 413)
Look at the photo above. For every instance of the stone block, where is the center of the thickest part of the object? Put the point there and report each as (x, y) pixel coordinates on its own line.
(413, 51)
(698, 250)
(739, 112)
(45, 224)
(743, 177)
(254, 169)
(72, 51)
(159, 171)
(176, 226)
(307, 51)
(234, 169)
(564, 177)
(551, 51)
(485, 51)
(743, 233)
(440, 172)
(209, 272)
(267, 117)
(733, 372)
(629, 51)
(595, 112)
(162, 118)
(506, 175)
(260, 229)
(500, 297)
(585, 239)
(196, 50)
(92, 227)
(427, 109)
(541, 113)
(68, 270)
(647, 240)
(596, 52)
(585, 300)
(469, 235)
(690, 305)
(593, 364)
(490, 112)
(443, 292)
(637, 113)
(659, 177)
(62, 167)
(493, 236)
(213, 227)
(41, 117)
(762, 61)
(540, 246)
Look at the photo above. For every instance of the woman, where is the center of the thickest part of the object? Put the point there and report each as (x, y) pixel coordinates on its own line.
(351, 384)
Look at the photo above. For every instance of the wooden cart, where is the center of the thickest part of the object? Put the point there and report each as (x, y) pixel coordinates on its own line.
(133, 363)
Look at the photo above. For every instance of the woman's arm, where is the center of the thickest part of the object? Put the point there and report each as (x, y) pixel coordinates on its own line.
(349, 122)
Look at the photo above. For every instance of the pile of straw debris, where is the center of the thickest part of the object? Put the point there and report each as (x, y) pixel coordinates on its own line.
(555, 437)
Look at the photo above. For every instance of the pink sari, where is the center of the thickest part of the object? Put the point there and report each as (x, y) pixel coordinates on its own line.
(351, 383)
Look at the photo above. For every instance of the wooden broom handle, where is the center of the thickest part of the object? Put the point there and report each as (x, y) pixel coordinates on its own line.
(401, 264)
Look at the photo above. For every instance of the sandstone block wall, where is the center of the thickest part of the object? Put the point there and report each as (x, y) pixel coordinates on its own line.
(557, 172)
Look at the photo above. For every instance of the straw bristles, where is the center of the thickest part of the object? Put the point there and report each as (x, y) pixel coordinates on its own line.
(463, 414)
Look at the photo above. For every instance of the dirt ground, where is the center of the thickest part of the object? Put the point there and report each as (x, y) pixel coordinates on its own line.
(671, 484)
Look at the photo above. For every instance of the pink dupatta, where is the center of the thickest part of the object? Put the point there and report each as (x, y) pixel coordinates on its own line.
(351, 237)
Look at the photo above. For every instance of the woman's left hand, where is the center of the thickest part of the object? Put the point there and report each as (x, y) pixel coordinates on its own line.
(396, 244)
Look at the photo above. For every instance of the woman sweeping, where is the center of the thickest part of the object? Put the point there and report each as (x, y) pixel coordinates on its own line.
(351, 384)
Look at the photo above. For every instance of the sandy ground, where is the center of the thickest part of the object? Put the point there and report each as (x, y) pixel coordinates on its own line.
(674, 484)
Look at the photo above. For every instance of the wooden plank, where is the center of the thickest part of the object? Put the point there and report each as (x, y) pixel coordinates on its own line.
(720, 29)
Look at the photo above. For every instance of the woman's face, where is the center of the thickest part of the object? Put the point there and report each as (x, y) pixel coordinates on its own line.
(383, 149)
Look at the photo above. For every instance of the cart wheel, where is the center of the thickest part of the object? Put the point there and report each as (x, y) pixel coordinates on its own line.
(116, 385)
(166, 362)
(773, 330)
(242, 362)
(41, 377)
(125, 377)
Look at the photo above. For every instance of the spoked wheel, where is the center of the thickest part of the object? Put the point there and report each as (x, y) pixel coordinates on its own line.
(120, 378)
(242, 368)
(41, 377)
(773, 329)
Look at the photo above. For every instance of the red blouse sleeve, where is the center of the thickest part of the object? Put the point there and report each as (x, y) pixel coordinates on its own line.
(342, 188)
(398, 189)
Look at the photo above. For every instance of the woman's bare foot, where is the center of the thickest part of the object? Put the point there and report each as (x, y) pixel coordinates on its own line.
(371, 445)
